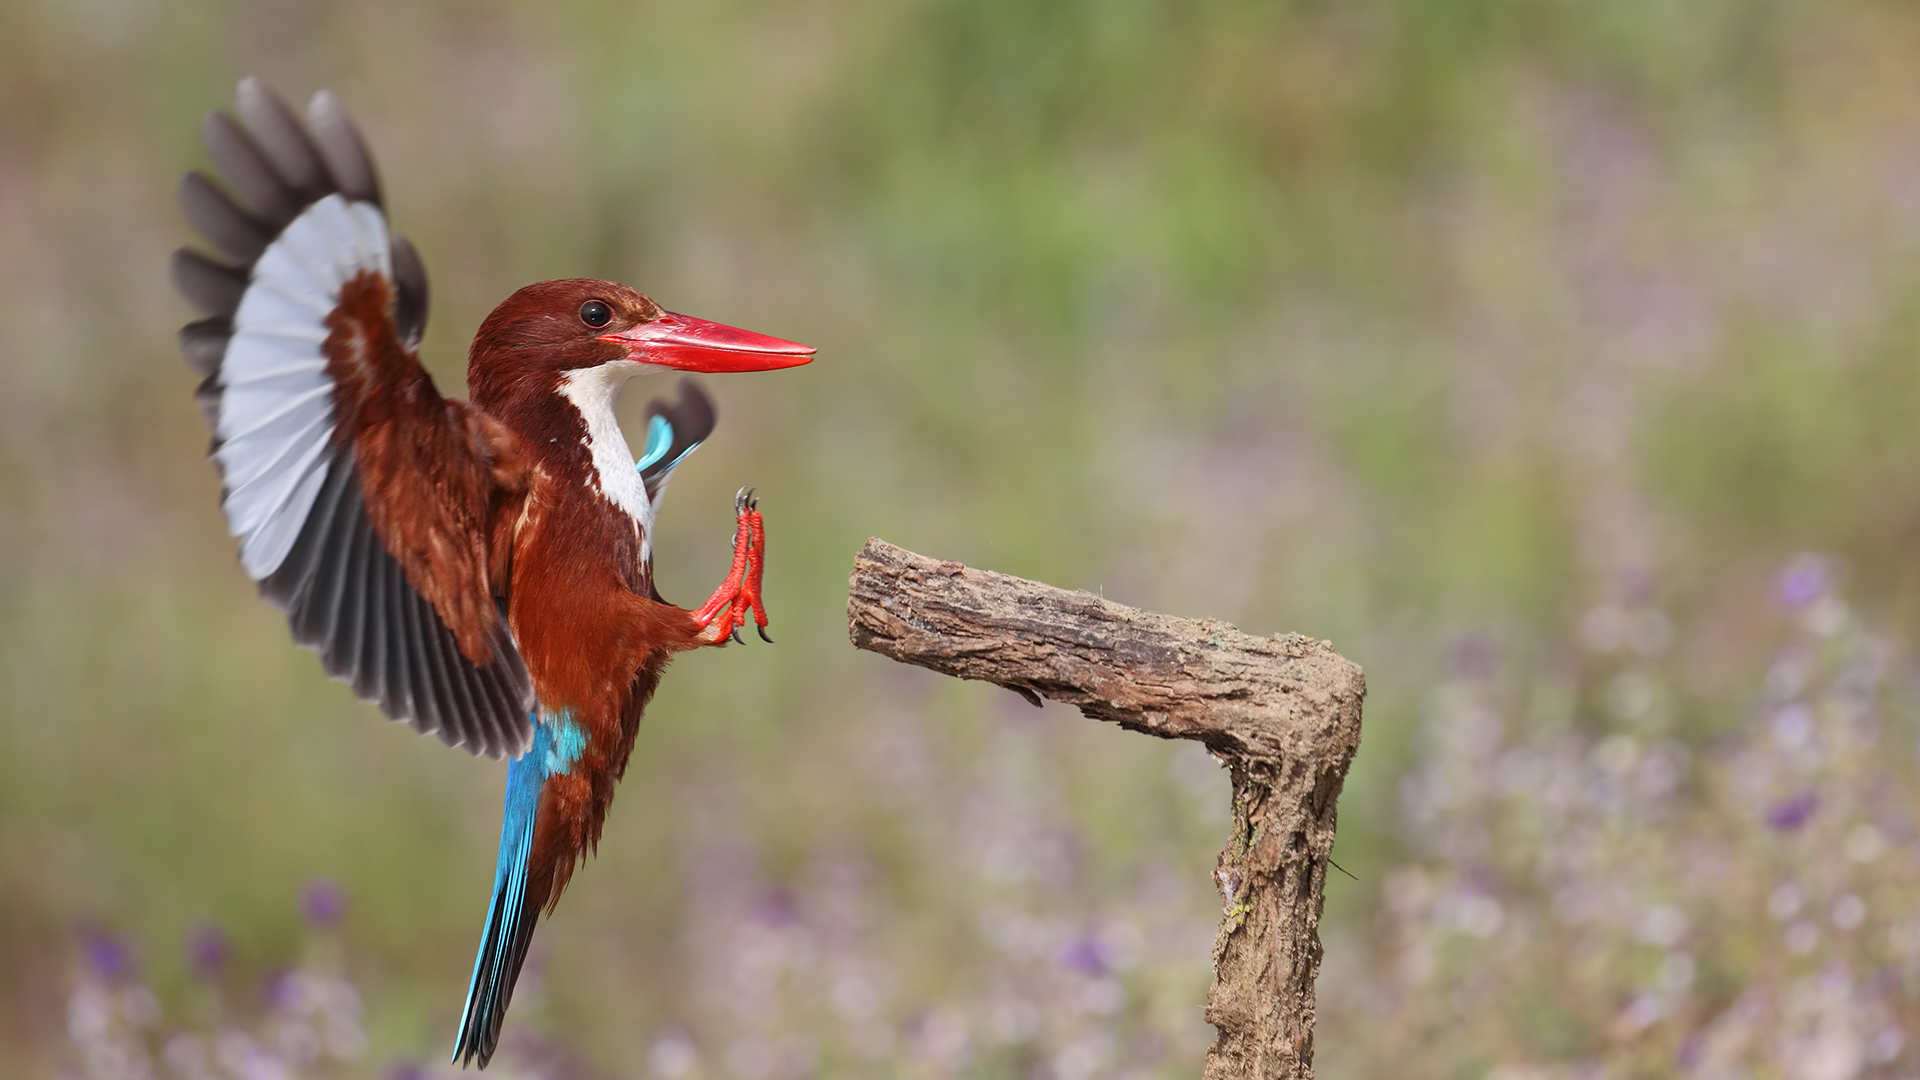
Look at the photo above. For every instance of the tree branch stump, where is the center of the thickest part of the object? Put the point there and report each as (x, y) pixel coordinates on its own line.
(1283, 714)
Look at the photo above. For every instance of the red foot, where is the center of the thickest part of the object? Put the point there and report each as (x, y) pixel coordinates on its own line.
(756, 566)
(725, 612)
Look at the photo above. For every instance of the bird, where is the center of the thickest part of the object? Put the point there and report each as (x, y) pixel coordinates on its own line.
(480, 569)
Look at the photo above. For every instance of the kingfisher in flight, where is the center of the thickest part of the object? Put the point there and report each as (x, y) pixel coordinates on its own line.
(481, 569)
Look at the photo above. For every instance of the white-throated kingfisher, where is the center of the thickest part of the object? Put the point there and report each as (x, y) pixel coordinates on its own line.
(482, 570)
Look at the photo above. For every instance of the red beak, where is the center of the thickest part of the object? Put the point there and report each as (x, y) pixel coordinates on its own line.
(682, 341)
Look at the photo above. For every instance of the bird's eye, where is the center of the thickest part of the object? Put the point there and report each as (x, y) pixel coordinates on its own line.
(596, 313)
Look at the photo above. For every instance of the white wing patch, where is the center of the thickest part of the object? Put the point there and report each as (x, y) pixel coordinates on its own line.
(276, 402)
(307, 220)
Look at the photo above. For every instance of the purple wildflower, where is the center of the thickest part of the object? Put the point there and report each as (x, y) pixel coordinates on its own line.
(105, 954)
(1087, 955)
(1690, 1050)
(323, 903)
(282, 990)
(1802, 582)
(207, 951)
(1789, 814)
(778, 909)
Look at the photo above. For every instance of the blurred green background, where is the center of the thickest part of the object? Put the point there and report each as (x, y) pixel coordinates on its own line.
(1421, 326)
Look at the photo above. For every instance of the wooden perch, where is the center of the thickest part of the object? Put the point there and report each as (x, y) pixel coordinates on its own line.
(1282, 713)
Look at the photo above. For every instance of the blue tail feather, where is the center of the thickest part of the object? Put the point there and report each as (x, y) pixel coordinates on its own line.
(510, 917)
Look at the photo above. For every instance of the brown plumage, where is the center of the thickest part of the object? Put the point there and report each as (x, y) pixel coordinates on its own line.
(480, 569)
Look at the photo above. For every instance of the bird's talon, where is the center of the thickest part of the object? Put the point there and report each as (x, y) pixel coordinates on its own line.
(726, 611)
(763, 634)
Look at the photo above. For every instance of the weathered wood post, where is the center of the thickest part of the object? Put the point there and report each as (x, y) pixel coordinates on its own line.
(1283, 714)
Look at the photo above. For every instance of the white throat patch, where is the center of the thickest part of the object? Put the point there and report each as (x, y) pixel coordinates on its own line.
(591, 391)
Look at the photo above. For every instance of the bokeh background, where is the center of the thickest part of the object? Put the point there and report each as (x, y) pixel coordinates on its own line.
(1559, 362)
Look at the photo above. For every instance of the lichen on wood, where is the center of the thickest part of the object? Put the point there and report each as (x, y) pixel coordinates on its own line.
(1282, 713)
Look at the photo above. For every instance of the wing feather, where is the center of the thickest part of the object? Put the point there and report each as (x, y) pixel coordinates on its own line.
(674, 430)
(232, 230)
(396, 599)
(410, 276)
(267, 546)
(484, 704)
(473, 727)
(366, 673)
(419, 673)
(483, 712)
(215, 288)
(350, 621)
(499, 693)
(282, 141)
(432, 675)
(338, 139)
(439, 686)
(205, 342)
(266, 196)
(308, 584)
(306, 350)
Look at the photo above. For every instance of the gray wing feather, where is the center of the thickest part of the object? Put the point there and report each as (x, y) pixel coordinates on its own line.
(231, 229)
(280, 139)
(266, 195)
(345, 596)
(338, 139)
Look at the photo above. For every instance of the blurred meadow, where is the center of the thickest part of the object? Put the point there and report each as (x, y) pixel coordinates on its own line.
(1559, 362)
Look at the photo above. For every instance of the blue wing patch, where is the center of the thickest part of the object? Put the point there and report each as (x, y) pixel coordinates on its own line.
(674, 430)
(659, 441)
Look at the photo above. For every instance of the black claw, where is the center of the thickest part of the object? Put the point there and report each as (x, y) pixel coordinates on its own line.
(735, 635)
(763, 635)
(740, 498)
(1033, 699)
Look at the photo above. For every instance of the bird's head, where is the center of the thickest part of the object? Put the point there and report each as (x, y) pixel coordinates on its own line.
(577, 328)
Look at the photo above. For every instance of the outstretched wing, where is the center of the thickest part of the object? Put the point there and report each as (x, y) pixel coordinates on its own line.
(360, 495)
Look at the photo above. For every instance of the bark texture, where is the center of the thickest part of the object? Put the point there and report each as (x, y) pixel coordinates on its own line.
(1283, 714)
